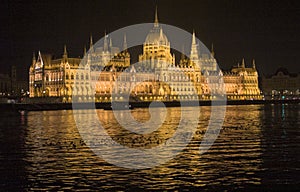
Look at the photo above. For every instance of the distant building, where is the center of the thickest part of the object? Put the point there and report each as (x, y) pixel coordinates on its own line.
(5, 85)
(281, 85)
(156, 77)
(10, 86)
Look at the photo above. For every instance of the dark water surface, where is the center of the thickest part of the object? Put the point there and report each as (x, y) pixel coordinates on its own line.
(257, 150)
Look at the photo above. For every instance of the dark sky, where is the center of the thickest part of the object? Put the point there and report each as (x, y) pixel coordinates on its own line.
(265, 30)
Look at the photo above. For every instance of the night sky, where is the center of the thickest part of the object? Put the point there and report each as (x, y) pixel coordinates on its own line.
(265, 30)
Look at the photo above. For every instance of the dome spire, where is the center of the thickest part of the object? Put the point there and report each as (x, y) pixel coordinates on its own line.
(194, 38)
(156, 18)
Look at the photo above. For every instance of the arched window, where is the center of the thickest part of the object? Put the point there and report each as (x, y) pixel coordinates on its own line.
(67, 76)
(72, 76)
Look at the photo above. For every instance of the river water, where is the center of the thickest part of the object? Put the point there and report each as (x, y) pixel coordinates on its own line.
(257, 150)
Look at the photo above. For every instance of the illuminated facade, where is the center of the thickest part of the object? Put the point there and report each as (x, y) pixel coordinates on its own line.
(109, 74)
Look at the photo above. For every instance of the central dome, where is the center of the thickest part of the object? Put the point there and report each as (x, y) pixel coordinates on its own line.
(156, 36)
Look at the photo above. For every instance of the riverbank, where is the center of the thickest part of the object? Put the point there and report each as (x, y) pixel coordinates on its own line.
(107, 105)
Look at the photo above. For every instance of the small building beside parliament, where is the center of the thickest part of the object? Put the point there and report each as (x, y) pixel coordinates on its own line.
(106, 72)
(281, 85)
(11, 86)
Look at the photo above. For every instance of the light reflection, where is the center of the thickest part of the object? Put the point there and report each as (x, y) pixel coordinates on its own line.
(57, 158)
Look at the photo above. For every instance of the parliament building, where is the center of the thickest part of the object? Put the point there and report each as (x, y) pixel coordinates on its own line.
(106, 73)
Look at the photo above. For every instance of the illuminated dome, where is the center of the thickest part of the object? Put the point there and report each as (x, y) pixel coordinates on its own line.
(156, 34)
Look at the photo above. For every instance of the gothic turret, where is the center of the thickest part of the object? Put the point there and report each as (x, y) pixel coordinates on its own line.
(243, 63)
(105, 47)
(253, 64)
(91, 44)
(65, 55)
(194, 56)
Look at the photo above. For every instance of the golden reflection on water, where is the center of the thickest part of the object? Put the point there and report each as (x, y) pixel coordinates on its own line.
(55, 151)
(134, 140)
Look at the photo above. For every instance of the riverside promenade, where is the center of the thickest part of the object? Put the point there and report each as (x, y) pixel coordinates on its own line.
(40, 106)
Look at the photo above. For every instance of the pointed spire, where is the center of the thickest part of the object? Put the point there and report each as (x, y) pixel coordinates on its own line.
(253, 64)
(65, 52)
(124, 43)
(110, 42)
(91, 42)
(84, 55)
(88, 60)
(156, 18)
(161, 33)
(40, 58)
(105, 46)
(194, 38)
(243, 63)
(194, 50)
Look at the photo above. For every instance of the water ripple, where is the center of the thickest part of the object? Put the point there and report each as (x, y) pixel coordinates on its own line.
(258, 148)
